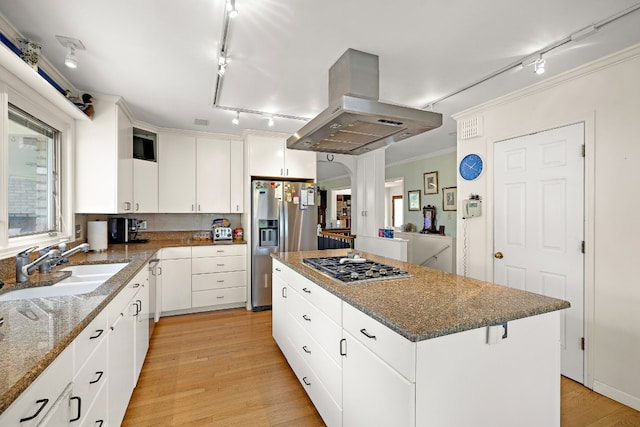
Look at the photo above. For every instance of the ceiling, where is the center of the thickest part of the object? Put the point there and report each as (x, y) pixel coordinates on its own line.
(161, 55)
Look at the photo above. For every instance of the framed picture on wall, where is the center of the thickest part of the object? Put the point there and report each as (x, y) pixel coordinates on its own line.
(431, 183)
(449, 198)
(414, 200)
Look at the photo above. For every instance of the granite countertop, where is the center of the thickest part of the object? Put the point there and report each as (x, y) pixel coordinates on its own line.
(430, 304)
(36, 331)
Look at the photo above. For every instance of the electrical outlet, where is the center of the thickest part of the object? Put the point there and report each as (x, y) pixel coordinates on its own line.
(142, 225)
(78, 231)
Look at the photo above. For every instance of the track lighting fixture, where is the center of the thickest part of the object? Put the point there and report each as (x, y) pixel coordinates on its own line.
(71, 60)
(271, 122)
(236, 119)
(538, 66)
(231, 8)
(221, 69)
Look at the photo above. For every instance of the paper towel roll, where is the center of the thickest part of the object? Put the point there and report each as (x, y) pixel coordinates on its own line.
(97, 235)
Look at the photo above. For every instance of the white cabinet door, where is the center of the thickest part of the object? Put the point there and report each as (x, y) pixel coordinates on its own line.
(121, 363)
(300, 164)
(374, 394)
(236, 187)
(266, 155)
(141, 316)
(369, 200)
(176, 284)
(279, 326)
(176, 173)
(100, 145)
(145, 186)
(213, 166)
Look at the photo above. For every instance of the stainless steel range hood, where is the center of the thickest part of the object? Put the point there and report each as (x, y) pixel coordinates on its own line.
(355, 121)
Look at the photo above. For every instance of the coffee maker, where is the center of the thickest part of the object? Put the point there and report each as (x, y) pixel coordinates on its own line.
(124, 230)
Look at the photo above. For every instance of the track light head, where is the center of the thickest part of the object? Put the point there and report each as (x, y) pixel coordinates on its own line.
(231, 8)
(538, 66)
(236, 119)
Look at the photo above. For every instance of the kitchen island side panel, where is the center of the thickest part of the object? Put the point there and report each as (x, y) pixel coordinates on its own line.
(463, 381)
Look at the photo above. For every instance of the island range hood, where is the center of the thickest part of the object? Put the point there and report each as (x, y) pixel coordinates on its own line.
(355, 121)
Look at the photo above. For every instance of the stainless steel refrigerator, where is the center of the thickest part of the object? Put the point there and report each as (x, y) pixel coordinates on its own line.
(283, 219)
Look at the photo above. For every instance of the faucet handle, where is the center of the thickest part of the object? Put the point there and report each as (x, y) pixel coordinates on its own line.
(27, 252)
(62, 247)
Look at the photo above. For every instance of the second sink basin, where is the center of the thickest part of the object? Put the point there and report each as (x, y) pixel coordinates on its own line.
(84, 279)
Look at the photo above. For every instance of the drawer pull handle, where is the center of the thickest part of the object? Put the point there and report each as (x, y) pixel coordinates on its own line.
(220, 251)
(367, 334)
(306, 381)
(79, 408)
(136, 285)
(284, 292)
(306, 350)
(306, 290)
(97, 334)
(307, 318)
(277, 269)
(43, 403)
(99, 423)
(220, 265)
(343, 347)
(220, 297)
(99, 373)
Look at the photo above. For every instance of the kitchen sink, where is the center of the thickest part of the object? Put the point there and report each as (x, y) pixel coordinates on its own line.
(83, 279)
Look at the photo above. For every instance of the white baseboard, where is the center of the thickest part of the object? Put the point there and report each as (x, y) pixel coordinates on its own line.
(617, 395)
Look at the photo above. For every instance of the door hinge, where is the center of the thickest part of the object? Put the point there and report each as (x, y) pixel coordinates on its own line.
(582, 150)
(582, 247)
(582, 343)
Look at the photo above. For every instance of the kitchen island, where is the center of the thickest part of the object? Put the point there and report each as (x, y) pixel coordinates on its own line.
(434, 349)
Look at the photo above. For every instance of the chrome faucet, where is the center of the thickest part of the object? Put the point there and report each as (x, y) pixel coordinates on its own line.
(64, 256)
(24, 268)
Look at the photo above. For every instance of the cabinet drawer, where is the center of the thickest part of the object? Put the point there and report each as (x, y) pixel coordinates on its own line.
(328, 408)
(325, 301)
(90, 338)
(218, 250)
(327, 333)
(91, 377)
(218, 264)
(231, 279)
(38, 399)
(176, 253)
(96, 416)
(324, 367)
(219, 296)
(278, 269)
(120, 304)
(391, 347)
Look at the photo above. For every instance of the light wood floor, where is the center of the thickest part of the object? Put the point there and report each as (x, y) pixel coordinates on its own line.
(224, 369)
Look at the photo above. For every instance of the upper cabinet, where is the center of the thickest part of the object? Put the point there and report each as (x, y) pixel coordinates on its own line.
(105, 167)
(368, 212)
(270, 157)
(200, 174)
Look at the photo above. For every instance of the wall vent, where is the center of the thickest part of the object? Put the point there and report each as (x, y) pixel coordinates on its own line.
(201, 122)
(470, 128)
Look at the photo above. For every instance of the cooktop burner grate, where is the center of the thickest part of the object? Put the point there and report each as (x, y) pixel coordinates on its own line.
(355, 270)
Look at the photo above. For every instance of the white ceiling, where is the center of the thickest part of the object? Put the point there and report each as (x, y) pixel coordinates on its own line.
(160, 55)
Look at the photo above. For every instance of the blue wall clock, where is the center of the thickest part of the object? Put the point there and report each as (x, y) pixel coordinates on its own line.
(470, 167)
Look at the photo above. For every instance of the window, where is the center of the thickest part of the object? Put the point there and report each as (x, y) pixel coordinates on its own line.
(32, 181)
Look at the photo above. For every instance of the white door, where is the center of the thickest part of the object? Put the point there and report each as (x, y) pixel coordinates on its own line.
(538, 225)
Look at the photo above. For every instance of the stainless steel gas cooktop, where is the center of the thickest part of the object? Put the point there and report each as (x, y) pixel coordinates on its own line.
(355, 270)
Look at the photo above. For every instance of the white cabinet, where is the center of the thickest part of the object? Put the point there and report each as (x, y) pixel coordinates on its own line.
(175, 280)
(39, 399)
(141, 314)
(108, 180)
(121, 353)
(236, 187)
(378, 373)
(145, 186)
(307, 327)
(176, 173)
(219, 275)
(368, 202)
(270, 157)
(200, 174)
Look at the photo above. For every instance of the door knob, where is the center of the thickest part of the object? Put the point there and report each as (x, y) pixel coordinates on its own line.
(498, 255)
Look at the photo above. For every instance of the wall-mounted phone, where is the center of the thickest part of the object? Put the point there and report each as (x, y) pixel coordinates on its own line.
(471, 207)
